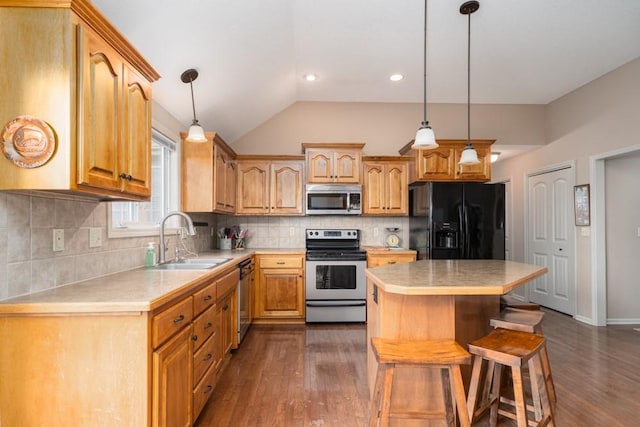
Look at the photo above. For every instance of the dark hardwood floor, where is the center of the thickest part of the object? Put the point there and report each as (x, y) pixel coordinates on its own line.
(315, 375)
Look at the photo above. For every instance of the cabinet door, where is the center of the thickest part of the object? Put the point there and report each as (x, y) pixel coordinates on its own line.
(374, 188)
(228, 326)
(280, 293)
(346, 166)
(319, 166)
(396, 189)
(136, 148)
(286, 188)
(230, 189)
(172, 379)
(221, 177)
(437, 164)
(253, 187)
(99, 122)
(478, 172)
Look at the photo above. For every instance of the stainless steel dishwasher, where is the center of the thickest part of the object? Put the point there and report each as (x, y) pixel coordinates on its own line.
(244, 297)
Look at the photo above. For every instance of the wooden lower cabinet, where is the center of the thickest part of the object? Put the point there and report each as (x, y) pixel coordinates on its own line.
(279, 290)
(378, 258)
(134, 368)
(172, 364)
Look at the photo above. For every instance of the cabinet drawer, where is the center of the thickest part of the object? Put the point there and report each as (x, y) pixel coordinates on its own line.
(203, 327)
(171, 320)
(203, 391)
(227, 284)
(204, 298)
(204, 358)
(281, 262)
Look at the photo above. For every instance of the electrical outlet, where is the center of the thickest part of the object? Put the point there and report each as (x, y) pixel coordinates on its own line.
(58, 239)
(95, 237)
(292, 231)
(376, 231)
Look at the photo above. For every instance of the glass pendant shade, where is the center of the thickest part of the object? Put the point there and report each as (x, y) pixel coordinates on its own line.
(196, 133)
(425, 138)
(469, 156)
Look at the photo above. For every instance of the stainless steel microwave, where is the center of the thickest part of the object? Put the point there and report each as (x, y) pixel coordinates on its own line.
(334, 199)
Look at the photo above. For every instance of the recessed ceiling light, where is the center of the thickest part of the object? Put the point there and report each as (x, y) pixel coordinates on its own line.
(396, 77)
(310, 77)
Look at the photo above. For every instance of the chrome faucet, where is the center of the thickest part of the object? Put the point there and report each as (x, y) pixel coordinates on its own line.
(191, 231)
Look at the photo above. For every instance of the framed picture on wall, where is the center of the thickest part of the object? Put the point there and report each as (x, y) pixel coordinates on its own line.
(581, 200)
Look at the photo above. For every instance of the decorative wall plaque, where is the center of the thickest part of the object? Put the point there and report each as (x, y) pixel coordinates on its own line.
(28, 142)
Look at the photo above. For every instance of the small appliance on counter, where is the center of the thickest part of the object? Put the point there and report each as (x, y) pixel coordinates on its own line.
(392, 240)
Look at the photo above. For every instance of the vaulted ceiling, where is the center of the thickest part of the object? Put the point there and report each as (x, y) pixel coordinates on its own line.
(252, 54)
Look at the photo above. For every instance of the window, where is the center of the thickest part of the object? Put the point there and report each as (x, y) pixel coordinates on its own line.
(142, 218)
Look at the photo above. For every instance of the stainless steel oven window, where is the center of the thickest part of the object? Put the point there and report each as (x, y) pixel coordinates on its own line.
(335, 277)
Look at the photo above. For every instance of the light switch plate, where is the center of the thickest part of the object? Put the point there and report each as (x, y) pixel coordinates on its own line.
(95, 237)
(585, 231)
(58, 239)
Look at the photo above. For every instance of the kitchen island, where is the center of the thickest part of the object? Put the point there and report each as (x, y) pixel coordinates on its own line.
(435, 299)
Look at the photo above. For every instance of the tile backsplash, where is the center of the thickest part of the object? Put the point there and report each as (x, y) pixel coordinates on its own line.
(289, 232)
(29, 264)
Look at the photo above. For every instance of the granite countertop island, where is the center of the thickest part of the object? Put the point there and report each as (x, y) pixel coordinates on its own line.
(454, 277)
(436, 299)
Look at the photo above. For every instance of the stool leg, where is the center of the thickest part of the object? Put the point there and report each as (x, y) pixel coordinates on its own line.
(518, 394)
(447, 395)
(494, 396)
(386, 395)
(473, 386)
(546, 370)
(457, 388)
(377, 394)
(541, 404)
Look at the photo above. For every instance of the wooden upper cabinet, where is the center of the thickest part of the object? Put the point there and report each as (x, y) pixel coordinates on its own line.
(478, 172)
(76, 73)
(386, 186)
(441, 163)
(209, 175)
(136, 147)
(225, 180)
(333, 163)
(267, 186)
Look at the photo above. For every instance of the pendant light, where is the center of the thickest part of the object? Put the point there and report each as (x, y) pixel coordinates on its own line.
(469, 155)
(196, 133)
(425, 138)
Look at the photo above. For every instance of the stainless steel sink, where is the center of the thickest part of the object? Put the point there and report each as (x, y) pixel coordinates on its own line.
(191, 264)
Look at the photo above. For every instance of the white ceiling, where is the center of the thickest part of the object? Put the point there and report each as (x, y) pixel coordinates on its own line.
(252, 54)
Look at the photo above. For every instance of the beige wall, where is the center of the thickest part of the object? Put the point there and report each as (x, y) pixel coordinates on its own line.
(597, 118)
(385, 128)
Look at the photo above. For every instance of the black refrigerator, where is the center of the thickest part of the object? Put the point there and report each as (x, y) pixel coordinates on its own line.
(450, 220)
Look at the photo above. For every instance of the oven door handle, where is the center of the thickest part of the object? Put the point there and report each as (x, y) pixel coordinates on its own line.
(336, 304)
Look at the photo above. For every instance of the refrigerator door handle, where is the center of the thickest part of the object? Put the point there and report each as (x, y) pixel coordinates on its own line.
(465, 233)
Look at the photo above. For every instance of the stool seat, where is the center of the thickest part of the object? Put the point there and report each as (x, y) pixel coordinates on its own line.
(512, 302)
(519, 320)
(513, 349)
(445, 355)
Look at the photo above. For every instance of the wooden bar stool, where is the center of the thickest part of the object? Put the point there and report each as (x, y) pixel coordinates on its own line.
(445, 355)
(514, 349)
(528, 321)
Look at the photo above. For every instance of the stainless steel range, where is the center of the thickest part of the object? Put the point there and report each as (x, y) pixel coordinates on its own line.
(335, 280)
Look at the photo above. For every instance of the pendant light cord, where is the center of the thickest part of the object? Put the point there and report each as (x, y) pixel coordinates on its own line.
(469, 81)
(424, 121)
(193, 102)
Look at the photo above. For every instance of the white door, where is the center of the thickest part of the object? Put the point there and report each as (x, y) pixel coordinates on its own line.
(551, 239)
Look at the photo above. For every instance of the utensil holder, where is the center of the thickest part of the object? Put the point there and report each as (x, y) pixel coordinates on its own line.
(224, 243)
(239, 244)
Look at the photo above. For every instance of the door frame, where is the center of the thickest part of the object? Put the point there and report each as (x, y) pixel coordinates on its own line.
(599, 233)
(570, 164)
